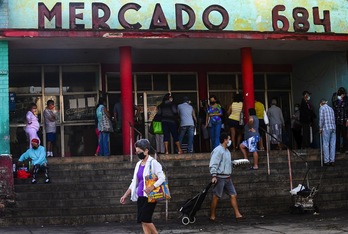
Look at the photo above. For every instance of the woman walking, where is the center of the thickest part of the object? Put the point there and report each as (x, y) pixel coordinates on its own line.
(138, 190)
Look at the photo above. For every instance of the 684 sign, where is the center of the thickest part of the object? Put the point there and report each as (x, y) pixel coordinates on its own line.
(300, 16)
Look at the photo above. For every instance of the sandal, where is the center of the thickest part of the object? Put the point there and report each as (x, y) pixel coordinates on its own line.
(180, 152)
(253, 168)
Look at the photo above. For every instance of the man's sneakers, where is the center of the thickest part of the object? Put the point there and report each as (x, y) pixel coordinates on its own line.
(47, 180)
(49, 154)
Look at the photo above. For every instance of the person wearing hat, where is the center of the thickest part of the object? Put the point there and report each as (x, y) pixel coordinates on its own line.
(306, 118)
(37, 155)
(296, 126)
(327, 129)
(187, 123)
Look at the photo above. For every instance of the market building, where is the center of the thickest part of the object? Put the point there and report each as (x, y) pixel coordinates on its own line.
(73, 52)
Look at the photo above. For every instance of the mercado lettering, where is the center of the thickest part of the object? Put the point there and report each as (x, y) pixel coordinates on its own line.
(211, 15)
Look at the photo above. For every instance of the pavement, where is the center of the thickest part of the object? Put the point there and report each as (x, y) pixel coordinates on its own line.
(333, 221)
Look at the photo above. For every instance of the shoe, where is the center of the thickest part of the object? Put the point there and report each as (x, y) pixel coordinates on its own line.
(33, 181)
(47, 180)
(253, 168)
(262, 149)
(240, 219)
(180, 152)
(332, 164)
(211, 220)
(326, 164)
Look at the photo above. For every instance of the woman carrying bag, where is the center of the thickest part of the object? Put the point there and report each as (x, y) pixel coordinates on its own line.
(138, 190)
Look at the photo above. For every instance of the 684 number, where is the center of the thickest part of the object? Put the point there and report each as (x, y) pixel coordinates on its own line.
(301, 23)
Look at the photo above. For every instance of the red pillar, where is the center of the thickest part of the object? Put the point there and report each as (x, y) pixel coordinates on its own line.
(248, 79)
(202, 85)
(127, 97)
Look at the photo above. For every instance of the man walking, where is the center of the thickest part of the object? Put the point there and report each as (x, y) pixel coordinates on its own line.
(221, 169)
(187, 123)
(328, 131)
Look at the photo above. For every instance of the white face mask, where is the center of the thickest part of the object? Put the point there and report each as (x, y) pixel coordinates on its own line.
(296, 108)
(229, 143)
(309, 98)
(339, 98)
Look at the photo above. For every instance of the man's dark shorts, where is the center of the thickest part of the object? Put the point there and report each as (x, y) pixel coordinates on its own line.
(51, 136)
(224, 184)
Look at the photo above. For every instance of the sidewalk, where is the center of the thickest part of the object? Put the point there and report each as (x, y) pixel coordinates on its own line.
(326, 222)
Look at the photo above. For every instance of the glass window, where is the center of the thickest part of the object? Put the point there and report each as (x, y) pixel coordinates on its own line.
(79, 107)
(222, 81)
(113, 82)
(178, 98)
(80, 79)
(25, 80)
(144, 82)
(183, 82)
(259, 81)
(160, 82)
(80, 140)
(51, 84)
(278, 81)
(22, 105)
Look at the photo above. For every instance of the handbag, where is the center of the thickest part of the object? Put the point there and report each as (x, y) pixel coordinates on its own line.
(106, 125)
(157, 127)
(161, 192)
(265, 118)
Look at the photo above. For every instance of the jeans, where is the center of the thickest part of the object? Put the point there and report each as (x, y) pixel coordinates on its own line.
(329, 143)
(190, 133)
(214, 131)
(104, 144)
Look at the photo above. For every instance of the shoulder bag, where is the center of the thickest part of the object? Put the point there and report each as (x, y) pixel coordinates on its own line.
(161, 192)
(106, 125)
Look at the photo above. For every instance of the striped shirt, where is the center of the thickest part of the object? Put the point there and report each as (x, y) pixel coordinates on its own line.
(326, 118)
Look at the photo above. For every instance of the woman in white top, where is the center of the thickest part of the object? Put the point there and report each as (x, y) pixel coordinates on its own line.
(138, 190)
(33, 124)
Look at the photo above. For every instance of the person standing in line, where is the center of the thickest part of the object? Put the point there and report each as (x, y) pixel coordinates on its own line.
(187, 123)
(233, 113)
(97, 132)
(327, 129)
(168, 111)
(202, 116)
(296, 126)
(340, 107)
(251, 138)
(104, 137)
(33, 125)
(306, 118)
(118, 115)
(37, 155)
(220, 166)
(138, 190)
(214, 121)
(276, 123)
(260, 114)
(50, 126)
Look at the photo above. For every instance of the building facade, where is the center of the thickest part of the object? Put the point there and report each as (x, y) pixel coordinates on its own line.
(134, 52)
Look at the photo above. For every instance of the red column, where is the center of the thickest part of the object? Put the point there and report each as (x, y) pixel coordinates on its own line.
(127, 97)
(248, 79)
(202, 85)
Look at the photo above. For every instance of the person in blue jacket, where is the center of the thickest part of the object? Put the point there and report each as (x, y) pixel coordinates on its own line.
(37, 154)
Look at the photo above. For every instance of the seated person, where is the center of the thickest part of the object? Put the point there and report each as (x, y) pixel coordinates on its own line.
(37, 154)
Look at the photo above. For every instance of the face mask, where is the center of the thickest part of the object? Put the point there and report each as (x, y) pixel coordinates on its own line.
(309, 98)
(229, 143)
(141, 155)
(212, 103)
(35, 147)
(171, 99)
(339, 98)
(296, 108)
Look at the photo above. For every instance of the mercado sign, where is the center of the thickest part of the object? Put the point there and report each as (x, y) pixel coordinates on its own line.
(327, 16)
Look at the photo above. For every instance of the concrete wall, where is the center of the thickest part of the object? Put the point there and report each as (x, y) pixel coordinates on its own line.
(3, 13)
(4, 99)
(322, 75)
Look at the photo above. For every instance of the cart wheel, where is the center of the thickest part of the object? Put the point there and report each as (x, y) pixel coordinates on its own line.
(193, 219)
(316, 208)
(185, 220)
(301, 210)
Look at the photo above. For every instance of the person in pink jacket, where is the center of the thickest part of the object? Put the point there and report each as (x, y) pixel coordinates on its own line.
(33, 124)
